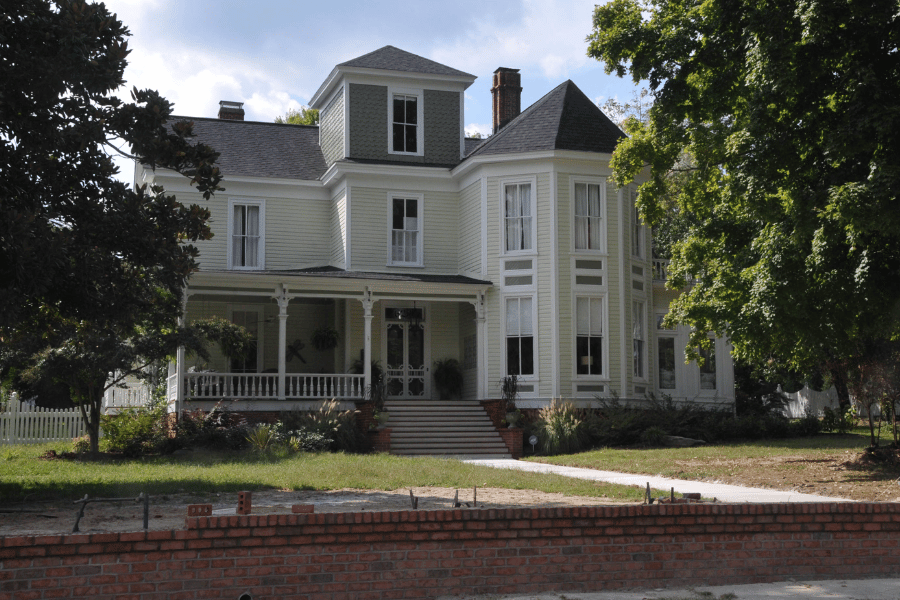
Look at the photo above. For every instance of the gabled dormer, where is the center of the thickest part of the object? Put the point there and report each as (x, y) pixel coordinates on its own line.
(392, 106)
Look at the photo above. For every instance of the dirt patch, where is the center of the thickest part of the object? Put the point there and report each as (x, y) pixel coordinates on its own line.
(852, 475)
(169, 511)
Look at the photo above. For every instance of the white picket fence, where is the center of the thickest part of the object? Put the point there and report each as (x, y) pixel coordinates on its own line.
(24, 423)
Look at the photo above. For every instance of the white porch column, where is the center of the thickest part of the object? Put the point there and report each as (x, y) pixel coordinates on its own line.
(179, 363)
(480, 351)
(367, 303)
(282, 300)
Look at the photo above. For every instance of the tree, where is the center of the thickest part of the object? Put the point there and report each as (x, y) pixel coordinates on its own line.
(788, 111)
(92, 272)
(304, 116)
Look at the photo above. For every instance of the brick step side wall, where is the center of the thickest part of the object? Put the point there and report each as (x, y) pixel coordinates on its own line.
(415, 554)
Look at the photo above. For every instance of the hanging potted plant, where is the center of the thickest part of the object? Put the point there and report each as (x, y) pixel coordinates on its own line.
(325, 338)
(448, 378)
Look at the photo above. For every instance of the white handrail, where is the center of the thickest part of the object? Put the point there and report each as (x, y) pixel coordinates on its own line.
(265, 385)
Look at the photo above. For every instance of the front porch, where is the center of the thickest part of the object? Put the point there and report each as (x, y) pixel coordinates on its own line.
(401, 322)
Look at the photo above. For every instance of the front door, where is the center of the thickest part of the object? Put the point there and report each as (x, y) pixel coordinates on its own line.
(405, 355)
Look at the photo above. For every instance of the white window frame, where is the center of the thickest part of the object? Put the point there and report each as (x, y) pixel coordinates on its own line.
(261, 250)
(588, 181)
(420, 212)
(604, 336)
(643, 377)
(532, 377)
(419, 94)
(714, 358)
(531, 181)
(638, 232)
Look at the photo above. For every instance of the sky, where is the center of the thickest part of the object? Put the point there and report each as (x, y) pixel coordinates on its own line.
(272, 55)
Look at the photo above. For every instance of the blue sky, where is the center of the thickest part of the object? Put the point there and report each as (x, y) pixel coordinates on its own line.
(273, 54)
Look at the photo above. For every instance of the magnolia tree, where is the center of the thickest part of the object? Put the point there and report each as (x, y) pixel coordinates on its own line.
(92, 272)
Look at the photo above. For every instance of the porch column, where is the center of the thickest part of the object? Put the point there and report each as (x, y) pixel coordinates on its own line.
(367, 303)
(179, 362)
(282, 300)
(480, 353)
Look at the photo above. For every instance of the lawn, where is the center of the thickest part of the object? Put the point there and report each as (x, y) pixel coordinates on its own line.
(827, 464)
(26, 476)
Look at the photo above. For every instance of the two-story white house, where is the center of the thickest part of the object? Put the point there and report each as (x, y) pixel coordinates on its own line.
(514, 255)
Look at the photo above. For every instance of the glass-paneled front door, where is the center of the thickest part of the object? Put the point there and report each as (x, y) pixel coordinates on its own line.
(405, 358)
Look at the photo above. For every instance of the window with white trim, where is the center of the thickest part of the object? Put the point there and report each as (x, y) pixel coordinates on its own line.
(637, 234)
(639, 339)
(588, 216)
(406, 113)
(589, 335)
(406, 231)
(665, 356)
(519, 336)
(246, 227)
(518, 220)
(708, 368)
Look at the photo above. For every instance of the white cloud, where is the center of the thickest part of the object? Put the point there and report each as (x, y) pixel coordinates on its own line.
(550, 36)
(484, 129)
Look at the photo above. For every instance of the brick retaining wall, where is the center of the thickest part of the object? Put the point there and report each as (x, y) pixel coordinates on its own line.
(421, 554)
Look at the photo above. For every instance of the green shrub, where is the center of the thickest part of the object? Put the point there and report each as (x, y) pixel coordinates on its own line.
(307, 441)
(837, 420)
(262, 437)
(217, 429)
(809, 425)
(653, 437)
(331, 423)
(134, 431)
(562, 428)
(81, 445)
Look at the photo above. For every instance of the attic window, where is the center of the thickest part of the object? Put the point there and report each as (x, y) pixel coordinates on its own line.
(405, 122)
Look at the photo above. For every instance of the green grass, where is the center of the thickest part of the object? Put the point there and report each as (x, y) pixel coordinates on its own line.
(23, 475)
(670, 462)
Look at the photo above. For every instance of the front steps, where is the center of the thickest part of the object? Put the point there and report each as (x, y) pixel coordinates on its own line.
(443, 428)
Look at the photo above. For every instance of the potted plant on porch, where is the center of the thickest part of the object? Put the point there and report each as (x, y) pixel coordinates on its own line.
(448, 378)
(509, 390)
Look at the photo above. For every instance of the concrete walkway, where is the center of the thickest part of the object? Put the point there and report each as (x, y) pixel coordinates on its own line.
(838, 589)
(719, 491)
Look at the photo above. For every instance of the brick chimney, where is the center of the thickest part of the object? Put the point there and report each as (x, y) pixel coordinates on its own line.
(231, 111)
(506, 93)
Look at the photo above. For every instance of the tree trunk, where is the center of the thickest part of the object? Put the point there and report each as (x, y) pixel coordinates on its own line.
(839, 379)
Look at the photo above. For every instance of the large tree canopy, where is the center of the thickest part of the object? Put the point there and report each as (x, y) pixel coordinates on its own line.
(91, 271)
(789, 113)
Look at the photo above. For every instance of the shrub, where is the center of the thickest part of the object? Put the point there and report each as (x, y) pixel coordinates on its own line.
(81, 445)
(653, 437)
(217, 429)
(329, 422)
(134, 431)
(262, 437)
(837, 420)
(562, 428)
(307, 441)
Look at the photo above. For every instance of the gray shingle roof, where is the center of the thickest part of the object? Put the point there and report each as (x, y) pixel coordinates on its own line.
(255, 149)
(564, 119)
(394, 59)
(335, 272)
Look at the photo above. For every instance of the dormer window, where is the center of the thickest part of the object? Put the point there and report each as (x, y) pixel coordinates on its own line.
(405, 120)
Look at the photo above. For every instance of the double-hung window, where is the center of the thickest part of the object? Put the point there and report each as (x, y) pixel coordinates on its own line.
(637, 234)
(518, 217)
(665, 359)
(405, 115)
(708, 368)
(639, 338)
(406, 231)
(589, 336)
(588, 216)
(246, 226)
(519, 336)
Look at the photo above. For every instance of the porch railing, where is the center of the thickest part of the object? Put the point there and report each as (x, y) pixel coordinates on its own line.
(265, 385)
(660, 269)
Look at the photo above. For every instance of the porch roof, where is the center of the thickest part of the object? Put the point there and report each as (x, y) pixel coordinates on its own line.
(333, 282)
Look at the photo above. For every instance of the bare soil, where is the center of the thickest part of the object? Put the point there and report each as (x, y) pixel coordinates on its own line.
(852, 475)
(169, 512)
(844, 474)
